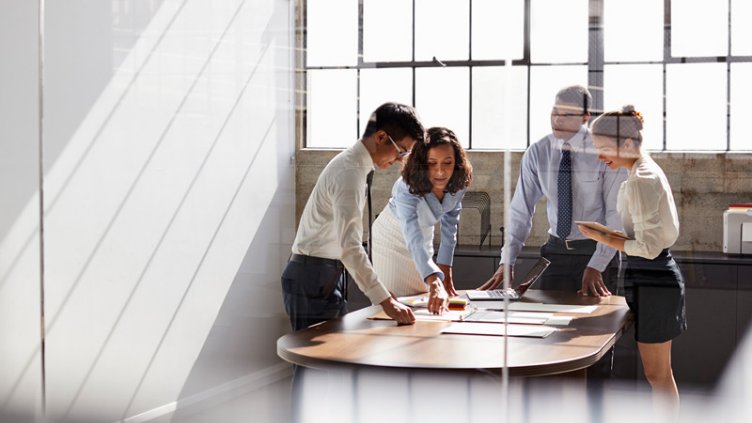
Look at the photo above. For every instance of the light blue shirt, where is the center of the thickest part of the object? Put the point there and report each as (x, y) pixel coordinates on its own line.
(418, 214)
(595, 188)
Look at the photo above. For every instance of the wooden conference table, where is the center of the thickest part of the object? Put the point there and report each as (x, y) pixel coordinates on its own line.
(355, 340)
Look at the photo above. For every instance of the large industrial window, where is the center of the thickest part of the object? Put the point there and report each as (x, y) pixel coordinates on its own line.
(489, 69)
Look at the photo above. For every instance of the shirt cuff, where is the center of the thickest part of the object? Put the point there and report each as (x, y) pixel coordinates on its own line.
(378, 293)
(430, 270)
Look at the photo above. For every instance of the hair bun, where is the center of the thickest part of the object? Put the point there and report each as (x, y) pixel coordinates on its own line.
(629, 110)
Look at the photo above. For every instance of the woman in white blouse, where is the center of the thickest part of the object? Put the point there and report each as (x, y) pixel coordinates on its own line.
(654, 287)
(430, 190)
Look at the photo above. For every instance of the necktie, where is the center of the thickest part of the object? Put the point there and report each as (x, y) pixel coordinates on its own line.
(369, 181)
(564, 218)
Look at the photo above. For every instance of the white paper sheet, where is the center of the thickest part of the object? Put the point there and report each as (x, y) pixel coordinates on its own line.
(470, 328)
(549, 308)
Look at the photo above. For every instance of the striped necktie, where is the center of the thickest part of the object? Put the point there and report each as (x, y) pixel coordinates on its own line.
(564, 218)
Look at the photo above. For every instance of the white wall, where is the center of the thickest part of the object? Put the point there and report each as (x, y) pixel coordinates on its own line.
(168, 199)
(20, 367)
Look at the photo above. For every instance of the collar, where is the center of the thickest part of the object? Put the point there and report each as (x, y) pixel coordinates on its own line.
(633, 171)
(577, 142)
(363, 157)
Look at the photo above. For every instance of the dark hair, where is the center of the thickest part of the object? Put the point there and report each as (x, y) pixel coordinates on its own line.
(398, 120)
(575, 95)
(415, 170)
(619, 125)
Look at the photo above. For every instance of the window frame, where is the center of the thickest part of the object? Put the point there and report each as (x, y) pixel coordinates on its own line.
(595, 64)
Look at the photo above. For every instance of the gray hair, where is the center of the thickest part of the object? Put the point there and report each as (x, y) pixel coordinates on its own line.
(575, 95)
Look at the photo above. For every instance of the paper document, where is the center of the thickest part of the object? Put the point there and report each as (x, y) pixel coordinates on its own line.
(601, 228)
(549, 308)
(520, 317)
(424, 314)
(470, 328)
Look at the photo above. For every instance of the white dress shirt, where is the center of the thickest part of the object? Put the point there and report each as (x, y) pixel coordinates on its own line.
(332, 222)
(647, 210)
(594, 191)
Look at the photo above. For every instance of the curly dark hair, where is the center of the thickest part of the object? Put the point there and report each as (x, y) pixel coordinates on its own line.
(415, 169)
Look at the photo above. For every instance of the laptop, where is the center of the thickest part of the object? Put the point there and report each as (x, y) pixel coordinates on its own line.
(513, 294)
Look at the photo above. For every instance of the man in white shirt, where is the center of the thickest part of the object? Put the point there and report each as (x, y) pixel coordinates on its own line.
(586, 191)
(329, 238)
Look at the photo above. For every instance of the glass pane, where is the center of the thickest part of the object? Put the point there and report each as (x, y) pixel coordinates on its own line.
(499, 108)
(696, 113)
(699, 28)
(498, 29)
(741, 105)
(387, 30)
(741, 30)
(441, 29)
(620, 40)
(545, 82)
(558, 31)
(641, 86)
(442, 98)
(332, 113)
(377, 86)
(332, 38)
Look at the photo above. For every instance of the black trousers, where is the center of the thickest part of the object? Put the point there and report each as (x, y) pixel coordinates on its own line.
(313, 291)
(568, 263)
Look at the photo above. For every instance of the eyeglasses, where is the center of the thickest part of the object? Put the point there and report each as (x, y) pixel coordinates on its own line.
(400, 152)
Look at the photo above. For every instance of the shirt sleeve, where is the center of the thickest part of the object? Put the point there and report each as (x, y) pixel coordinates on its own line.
(522, 207)
(644, 207)
(349, 200)
(612, 179)
(418, 245)
(449, 223)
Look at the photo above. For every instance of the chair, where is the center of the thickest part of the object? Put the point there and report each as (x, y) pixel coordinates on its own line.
(482, 202)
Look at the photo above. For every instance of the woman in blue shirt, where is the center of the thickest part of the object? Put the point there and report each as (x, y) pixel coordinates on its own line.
(430, 190)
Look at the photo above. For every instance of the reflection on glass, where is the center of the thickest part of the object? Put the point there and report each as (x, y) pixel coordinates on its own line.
(696, 112)
(387, 30)
(641, 86)
(545, 82)
(489, 113)
(331, 33)
(622, 41)
(741, 105)
(559, 31)
(377, 86)
(442, 97)
(331, 112)
(441, 29)
(741, 31)
(699, 28)
(497, 29)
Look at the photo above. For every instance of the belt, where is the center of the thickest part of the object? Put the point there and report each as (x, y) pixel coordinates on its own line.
(571, 244)
(300, 258)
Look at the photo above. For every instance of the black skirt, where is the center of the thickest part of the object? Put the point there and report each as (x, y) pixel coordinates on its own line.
(654, 290)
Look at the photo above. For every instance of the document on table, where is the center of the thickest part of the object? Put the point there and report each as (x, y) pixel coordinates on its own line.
(550, 308)
(471, 328)
(424, 314)
(486, 316)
